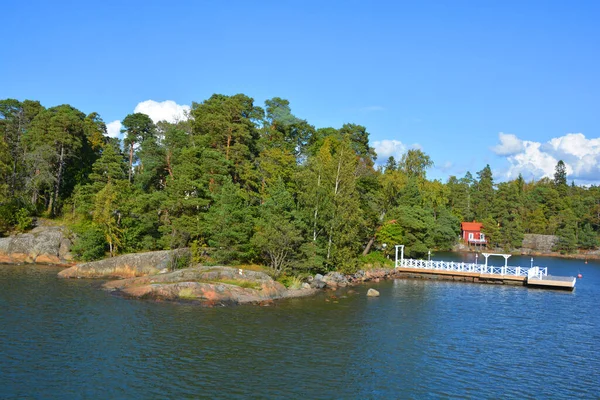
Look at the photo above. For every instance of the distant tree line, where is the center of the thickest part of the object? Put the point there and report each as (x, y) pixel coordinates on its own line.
(241, 183)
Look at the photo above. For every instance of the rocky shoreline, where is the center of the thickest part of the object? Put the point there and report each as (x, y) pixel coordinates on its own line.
(152, 276)
(42, 245)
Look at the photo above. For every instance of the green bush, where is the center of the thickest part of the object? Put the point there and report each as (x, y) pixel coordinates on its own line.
(90, 242)
(180, 261)
(24, 220)
(290, 282)
(375, 259)
(13, 214)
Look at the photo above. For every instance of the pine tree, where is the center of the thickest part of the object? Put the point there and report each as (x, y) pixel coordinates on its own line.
(483, 195)
(277, 232)
(110, 167)
(560, 174)
(137, 128)
(229, 225)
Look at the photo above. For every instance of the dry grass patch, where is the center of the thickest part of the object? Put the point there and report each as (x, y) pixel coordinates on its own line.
(254, 267)
(239, 282)
(186, 293)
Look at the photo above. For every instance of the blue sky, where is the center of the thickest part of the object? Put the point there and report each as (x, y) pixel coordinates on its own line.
(446, 76)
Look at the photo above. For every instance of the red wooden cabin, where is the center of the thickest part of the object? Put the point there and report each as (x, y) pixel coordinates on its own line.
(471, 233)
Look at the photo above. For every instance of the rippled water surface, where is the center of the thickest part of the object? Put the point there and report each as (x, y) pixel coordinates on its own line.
(420, 339)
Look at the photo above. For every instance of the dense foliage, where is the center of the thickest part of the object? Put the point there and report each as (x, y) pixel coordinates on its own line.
(241, 183)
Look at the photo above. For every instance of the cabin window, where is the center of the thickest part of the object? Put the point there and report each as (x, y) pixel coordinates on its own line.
(470, 235)
(481, 236)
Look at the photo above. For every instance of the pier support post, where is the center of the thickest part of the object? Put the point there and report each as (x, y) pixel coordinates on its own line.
(505, 263)
(401, 247)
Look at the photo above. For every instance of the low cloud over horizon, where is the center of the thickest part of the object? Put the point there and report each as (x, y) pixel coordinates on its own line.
(535, 160)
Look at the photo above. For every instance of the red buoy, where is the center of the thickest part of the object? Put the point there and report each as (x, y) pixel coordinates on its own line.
(579, 276)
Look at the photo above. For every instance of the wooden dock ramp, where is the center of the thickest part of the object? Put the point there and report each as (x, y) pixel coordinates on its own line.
(553, 282)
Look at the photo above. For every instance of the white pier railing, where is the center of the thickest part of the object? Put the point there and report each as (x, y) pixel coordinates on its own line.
(537, 273)
(451, 266)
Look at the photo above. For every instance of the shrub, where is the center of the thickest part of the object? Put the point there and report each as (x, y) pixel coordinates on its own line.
(90, 243)
(15, 213)
(290, 282)
(180, 261)
(24, 220)
(375, 259)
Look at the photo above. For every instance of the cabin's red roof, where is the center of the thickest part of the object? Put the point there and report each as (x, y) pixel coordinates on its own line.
(471, 226)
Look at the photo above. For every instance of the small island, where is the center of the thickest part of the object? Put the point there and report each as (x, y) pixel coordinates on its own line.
(257, 197)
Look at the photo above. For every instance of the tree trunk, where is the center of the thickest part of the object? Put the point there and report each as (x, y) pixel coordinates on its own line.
(110, 245)
(227, 150)
(368, 248)
(14, 151)
(335, 193)
(130, 161)
(52, 206)
(316, 209)
(169, 168)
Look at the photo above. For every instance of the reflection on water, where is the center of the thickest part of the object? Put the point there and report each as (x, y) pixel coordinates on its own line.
(420, 339)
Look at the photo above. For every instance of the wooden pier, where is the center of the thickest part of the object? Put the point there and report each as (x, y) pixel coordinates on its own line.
(528, 276)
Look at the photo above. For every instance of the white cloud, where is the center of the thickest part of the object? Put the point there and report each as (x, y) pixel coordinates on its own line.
(575, 144)
(113, 129)
(509, 145)
(163, 111)
(537, 160)
(386, 148)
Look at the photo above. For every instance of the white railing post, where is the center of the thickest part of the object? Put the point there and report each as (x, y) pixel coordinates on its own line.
(401, 247)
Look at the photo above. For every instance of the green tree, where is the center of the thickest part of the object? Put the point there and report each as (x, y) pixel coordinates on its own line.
(588, 239)
(229, 124)
(105, 216)
(229, 225)
(483, 195)
(331, 202)
(506, 210)
(15, 121)
(359, 142)
(445, 230)
(536, 222)
(416, 224)
(62, 129)
(174, 139)
(491, 230)
(277, 233)
(137, 128)
(274, 164)
(110, 167)
(196, 179)
(285, 131)
(414, 163)
(567, 232)
(390, 164)
(560, 176)
(460, 197)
